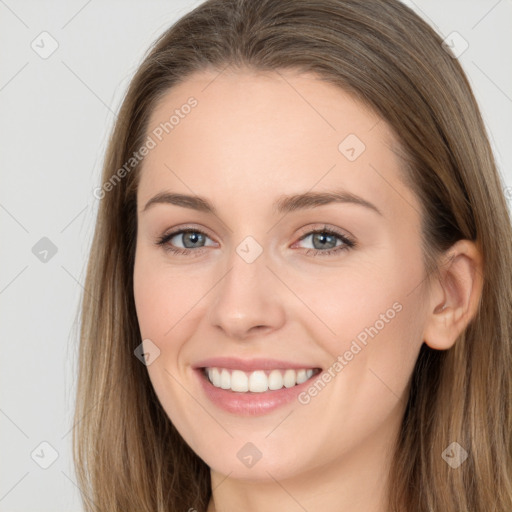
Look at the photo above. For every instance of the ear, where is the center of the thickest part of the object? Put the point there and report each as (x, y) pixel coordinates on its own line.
(454, 298)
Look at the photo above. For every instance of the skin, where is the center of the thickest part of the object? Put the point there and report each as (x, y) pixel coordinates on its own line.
(252, 138)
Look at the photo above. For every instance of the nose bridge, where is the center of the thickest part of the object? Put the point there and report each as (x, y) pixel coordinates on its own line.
(247, 298)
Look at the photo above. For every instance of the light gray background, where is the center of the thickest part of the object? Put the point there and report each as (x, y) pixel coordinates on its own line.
(56, 116)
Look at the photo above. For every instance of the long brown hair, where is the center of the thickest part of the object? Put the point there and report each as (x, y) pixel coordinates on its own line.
(128, 456)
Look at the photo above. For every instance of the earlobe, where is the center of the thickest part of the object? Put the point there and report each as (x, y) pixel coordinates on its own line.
(455, 297)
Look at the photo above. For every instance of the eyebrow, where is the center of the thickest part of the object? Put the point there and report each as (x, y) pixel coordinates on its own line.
(284, 204)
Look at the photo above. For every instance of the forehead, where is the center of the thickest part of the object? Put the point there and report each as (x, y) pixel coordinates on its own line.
(255, 135)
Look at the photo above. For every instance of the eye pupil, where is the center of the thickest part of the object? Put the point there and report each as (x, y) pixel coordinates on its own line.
(323, 239)
(194, 235)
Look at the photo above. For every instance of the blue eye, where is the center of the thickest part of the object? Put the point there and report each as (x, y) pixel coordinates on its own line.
(188, 236)
(327, 239)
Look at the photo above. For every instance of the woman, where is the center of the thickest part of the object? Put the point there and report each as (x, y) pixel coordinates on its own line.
(298, 294)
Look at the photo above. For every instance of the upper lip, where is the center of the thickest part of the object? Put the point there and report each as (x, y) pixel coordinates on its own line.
(249, 365)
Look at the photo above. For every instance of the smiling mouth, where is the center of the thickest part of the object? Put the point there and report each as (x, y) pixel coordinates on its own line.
(258, 381)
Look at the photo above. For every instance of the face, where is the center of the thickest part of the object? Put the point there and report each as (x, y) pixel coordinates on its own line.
(306, 311)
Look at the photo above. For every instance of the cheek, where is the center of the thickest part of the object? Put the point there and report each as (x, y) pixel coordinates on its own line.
(151, 301)
(373, 318)
(154, 298)
(350, 301)
(159, 294)
(162, 300)
(168, 301)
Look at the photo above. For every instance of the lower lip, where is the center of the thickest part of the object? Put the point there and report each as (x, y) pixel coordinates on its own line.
(249, 403)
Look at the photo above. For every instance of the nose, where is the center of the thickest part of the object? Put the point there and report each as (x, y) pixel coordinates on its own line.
(248, 300)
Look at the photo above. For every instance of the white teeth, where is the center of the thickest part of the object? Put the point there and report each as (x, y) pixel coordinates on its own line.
(301, 376)
(258, 381)
(275, 380)
(239, 381)
(216, 377)
(225, 380)
(290, 378)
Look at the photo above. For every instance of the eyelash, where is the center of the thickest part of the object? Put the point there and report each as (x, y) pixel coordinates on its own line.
(348, 243)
